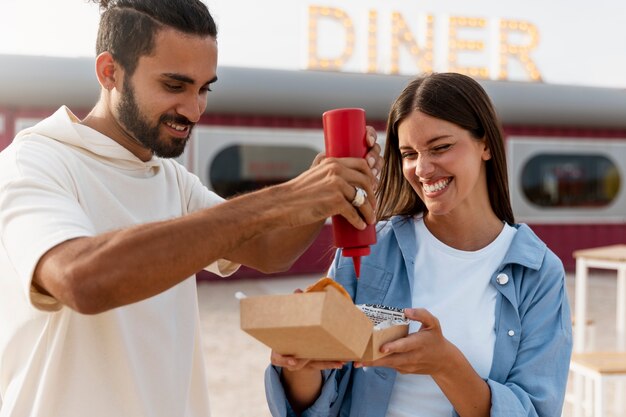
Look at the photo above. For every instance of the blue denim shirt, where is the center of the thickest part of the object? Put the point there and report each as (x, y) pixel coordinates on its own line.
(533, 329)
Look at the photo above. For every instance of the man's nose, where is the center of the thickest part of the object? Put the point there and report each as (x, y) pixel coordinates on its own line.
(192, 107)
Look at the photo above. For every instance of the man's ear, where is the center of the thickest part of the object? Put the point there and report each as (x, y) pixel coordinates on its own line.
(107, 71)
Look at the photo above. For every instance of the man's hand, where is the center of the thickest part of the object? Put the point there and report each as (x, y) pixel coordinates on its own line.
(373, 157)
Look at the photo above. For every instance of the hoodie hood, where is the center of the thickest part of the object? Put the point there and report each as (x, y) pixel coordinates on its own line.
(63, 127)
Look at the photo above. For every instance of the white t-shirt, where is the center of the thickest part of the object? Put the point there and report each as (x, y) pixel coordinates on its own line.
(60, 180)
(455, 287)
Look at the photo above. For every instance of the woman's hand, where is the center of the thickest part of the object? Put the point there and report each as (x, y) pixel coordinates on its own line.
(428, 352)
(302, 379)
(425, 352)
(292, 364)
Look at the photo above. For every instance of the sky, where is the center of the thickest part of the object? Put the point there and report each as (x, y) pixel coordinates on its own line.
(577, 42)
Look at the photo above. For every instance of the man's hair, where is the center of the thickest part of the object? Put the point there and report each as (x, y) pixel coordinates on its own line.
(128, 27)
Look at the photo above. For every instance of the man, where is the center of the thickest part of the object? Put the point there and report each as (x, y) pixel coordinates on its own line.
(100, 233)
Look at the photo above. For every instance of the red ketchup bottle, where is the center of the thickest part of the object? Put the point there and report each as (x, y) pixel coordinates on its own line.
(345, 136)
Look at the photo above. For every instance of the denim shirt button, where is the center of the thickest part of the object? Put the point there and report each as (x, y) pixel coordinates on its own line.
(502, 279)
(511, 333)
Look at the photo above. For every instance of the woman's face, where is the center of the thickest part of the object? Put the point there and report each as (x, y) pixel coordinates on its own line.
(444, 164)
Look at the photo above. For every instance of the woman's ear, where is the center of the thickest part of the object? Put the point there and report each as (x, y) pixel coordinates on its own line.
(106, 70)
(486, 152)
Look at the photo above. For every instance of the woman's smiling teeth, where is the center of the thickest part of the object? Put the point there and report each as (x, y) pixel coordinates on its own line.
(175, 126)
(436, 186)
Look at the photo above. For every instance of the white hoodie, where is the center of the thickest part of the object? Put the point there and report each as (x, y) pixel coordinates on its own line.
(61, 180)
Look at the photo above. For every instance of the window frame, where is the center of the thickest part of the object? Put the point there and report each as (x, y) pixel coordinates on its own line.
(521, 149)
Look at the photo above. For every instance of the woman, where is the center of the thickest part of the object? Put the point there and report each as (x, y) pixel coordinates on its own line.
(491, 327)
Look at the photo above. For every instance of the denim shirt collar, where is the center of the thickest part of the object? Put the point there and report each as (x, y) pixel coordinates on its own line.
(529, 250)
(404, 229)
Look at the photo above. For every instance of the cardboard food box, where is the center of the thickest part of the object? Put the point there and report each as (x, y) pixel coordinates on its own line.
(323, 325)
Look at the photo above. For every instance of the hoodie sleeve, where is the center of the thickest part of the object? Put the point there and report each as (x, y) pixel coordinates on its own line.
(199, 197)
(38, 210)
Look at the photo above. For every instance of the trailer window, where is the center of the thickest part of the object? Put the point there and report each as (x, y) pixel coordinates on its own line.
(570, 180)
(241, 168)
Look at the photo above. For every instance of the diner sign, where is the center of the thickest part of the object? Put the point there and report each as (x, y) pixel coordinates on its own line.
(396, 42)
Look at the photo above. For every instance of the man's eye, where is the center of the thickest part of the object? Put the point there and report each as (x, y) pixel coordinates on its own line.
(173, 87)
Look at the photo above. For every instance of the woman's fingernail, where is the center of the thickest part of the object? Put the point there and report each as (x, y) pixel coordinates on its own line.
(374, 172)
(371, 161)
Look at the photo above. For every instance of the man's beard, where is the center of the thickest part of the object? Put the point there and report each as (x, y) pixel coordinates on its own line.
(133, 121)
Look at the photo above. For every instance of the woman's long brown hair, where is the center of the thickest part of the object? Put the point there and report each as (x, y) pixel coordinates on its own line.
(458, 99)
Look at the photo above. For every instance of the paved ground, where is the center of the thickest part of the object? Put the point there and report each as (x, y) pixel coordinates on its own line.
(236, 361)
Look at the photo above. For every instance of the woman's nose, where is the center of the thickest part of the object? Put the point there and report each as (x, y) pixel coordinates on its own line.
(423, 166)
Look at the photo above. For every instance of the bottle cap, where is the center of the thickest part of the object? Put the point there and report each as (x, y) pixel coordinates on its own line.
(356, 254)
